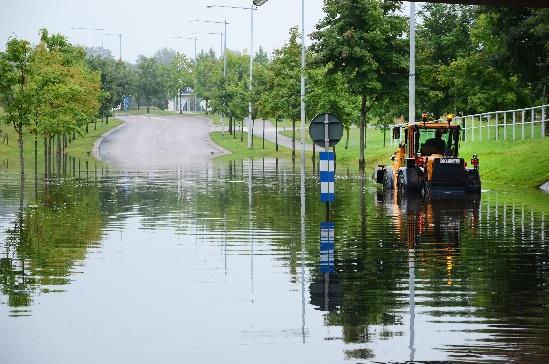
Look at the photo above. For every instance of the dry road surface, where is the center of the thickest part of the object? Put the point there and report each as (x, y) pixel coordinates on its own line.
(153, 142)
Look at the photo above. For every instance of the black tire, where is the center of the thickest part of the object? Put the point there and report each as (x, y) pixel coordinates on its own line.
(408, 179)
(472, 181)
(388, 183)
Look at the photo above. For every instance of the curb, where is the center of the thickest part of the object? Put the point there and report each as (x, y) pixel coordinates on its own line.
(97, 144)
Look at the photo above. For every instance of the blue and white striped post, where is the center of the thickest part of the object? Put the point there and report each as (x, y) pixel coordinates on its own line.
(327, 247)
(327, 177)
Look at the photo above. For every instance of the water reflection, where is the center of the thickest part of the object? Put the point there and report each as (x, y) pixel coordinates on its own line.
(233, 256)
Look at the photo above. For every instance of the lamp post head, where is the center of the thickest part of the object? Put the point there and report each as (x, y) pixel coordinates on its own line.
(259, 2)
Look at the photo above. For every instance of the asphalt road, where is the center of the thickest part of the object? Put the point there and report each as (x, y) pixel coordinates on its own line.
(146, 142)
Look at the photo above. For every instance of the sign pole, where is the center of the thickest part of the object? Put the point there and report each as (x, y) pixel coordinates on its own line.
(327, 149)
(325, 131)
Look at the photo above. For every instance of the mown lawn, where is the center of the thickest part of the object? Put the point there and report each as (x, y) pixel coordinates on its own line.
(79, 148)
(502, 163)
(239, 150)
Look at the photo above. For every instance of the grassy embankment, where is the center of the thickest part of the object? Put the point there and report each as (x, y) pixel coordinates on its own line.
(503, 163)
(80, 148)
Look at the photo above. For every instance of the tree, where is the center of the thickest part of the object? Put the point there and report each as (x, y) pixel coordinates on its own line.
(285, 81)
(66, 91)
(519, 43)
(329, 93)
(206, 70)
(148, 79)
(165, 56)
(230, 94)
(181, 74)
(16, 91)
(363, 41)
(116, 82)
(443, 36)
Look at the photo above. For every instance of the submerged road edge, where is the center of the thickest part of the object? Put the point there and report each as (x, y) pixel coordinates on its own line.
(97, 144)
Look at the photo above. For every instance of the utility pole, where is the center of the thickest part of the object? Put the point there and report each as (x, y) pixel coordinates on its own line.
(119, 44)
(412, 76)
(302, 81)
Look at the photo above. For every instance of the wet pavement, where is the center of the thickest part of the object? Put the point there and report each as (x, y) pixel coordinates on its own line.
(229, 264)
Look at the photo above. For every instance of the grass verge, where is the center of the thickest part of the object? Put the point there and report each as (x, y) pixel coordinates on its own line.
(520, 163)
(239, 150)
(80, 148)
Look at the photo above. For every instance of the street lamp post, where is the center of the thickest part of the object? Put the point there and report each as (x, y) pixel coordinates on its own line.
(302, 83)
(195, 39)
(224, 41)
(250, 86)
(412, 77)
(94, 30)
(119, 44)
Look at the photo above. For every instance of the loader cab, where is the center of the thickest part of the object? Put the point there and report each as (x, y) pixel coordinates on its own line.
(431, 139)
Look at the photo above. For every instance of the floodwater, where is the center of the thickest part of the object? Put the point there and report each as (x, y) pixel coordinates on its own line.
(230, 265)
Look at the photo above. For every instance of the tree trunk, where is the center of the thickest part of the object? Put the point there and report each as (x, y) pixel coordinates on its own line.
(58, 159)
(45, 156)
(35, 157)
(241, 130)
(293, 139)
(252, 131)
(347, 139)
(362, 160)
(384, 132)
(263, 132)
(276, 134)
(21, 155)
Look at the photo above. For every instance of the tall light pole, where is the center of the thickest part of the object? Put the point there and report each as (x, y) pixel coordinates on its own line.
(119, 44)
(94, 30)
(302, 83)
(412, 77)
(224, 40)
(195, 39)
(250, 87)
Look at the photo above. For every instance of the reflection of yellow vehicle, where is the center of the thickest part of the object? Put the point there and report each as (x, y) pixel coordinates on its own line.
(434, 225)
(428, 159)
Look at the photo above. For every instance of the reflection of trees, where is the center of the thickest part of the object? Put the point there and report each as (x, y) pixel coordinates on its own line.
(492, 264)
(49, 237)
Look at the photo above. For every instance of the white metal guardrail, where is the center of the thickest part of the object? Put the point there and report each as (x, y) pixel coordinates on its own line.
(519, 124)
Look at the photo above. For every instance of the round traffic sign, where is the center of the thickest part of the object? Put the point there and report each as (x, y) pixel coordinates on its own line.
(326, 127)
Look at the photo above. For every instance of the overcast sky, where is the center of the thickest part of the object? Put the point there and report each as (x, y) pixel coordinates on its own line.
(149, 25)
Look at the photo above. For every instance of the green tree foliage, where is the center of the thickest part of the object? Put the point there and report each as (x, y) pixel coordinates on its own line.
(443, 35)
(327, 92)
(207, 70)
(476, 59)
(116, 82)
(16, 90)
(285, 81)
(363, 41)
(48, 90)
(149, 83)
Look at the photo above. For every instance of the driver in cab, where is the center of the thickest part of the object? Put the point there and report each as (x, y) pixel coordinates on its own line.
(434, 145)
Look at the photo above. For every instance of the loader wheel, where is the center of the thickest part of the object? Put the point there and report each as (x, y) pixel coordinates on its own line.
(472, 180)
(407, 179)
(388, 183)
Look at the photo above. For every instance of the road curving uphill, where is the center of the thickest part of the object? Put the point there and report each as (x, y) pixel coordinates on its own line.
(152, 142)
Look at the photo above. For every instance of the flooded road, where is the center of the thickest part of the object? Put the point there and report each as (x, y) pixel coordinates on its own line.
(217, 265)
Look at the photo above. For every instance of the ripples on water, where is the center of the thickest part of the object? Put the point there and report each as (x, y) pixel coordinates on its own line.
(206, 266)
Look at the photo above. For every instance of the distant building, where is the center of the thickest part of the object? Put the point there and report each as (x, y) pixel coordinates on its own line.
(185, 101)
